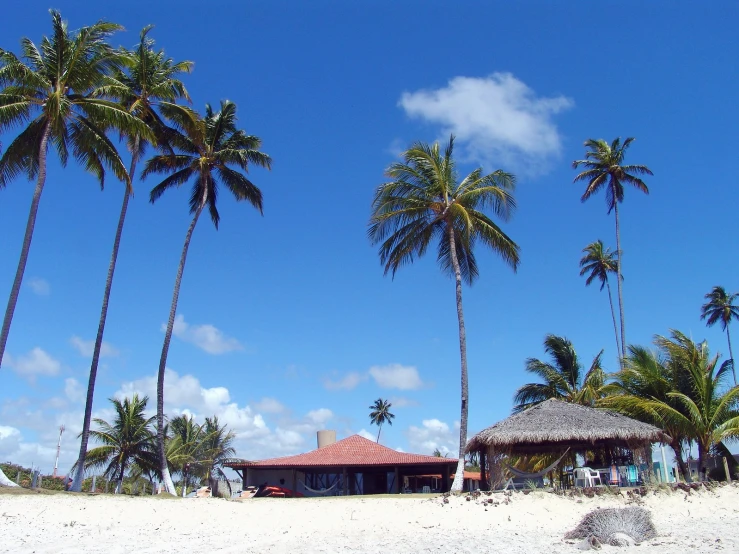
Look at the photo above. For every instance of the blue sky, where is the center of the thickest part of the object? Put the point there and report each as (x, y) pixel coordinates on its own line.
(287, 324)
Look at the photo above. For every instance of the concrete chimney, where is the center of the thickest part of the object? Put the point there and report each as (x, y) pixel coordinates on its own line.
(325, 438)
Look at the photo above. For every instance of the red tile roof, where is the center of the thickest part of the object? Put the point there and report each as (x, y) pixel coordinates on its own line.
(352, 451)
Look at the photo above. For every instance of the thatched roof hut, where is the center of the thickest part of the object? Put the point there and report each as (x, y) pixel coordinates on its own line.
(555, 425)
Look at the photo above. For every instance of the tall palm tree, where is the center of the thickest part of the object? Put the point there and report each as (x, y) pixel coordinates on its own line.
(721, 308)
(425, 200)
(563, 378)
(150, 81)
(127, 441)
(380, 414)
(604, 168)
(208, 146)
(647, 376)
(53, 91)
(597, 263)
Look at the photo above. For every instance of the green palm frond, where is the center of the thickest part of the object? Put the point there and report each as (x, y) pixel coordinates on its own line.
(425, 198)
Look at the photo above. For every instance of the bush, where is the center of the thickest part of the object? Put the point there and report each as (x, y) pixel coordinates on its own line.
(610, 524)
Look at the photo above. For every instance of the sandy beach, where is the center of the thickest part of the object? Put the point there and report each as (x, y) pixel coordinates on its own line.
(702, 521)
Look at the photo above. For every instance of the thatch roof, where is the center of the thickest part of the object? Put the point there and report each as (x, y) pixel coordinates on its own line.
(555, 425)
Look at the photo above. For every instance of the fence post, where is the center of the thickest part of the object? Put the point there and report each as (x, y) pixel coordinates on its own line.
(18, 478)
(34, 478)
(726, 469)
(94, 480)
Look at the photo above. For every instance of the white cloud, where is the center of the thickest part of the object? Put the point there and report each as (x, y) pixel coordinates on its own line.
(36, 362)
(206, 337)
(269, 406)
(367, 435)
(347, 382)
(402, 402)
(87, 347)
(73, 390)
(396, 376)
(319, 416)
(39, 286)
(433, 434)
(498, 120)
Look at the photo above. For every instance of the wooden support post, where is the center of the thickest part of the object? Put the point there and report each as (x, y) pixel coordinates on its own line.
(483, 471)
(398, 488)
(445, 480)
(295, 482)
(726, 469)
(344, 482)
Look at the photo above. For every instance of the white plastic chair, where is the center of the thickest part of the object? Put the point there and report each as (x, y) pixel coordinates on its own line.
(426, 490)
(586, 477)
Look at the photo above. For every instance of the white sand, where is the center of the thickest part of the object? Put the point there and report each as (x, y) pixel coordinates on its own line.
(706, 521)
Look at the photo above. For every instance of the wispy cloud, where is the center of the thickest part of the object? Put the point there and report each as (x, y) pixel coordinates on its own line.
(347, 382)
(39, 286)
(498, 120)
(36, 362)
(86, 347)
(206, 337)
(396, 376)
(434, 434)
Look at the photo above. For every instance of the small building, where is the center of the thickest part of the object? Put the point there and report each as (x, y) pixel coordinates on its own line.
(353, 465)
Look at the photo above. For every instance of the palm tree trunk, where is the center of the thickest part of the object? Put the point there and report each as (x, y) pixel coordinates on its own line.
(15, 289)
(166, 478)
(676, 446)
(702, 458)
(379, 429)
(119, 484)
(619, 348)
(620, 283)
(458, 483)
(77, 484)
(731, 354)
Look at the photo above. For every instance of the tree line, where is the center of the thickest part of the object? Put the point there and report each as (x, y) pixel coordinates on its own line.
(71, 93)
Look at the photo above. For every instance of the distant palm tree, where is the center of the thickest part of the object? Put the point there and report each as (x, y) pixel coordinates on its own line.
(184, 446)
(379, 414)
(563, 379)
(148, 82)
(425, 201)
(217, 447)
(208, 146)
(53, 91)
(721, 308)
(604, 168)
(597, 263)
(128, 440)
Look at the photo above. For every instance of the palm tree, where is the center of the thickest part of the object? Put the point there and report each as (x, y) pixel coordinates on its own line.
(721, 308)
(648, 376)
(604, 168)
(708, 411)
(150, 81)
(184, 446)
(425, 201)
(54, 91)
(127, 441)
(208, 146)
(563, 378)
(597, 263)
(379, 414)
(217, 447)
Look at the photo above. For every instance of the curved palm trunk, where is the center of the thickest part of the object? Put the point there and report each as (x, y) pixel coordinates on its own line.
(15, 289)
(77, 484)
(731, 354)
(620, 283)
(676, 446)
(166, 477)
(378, 433)
(458, 483)
(119, 484)
(619, 347)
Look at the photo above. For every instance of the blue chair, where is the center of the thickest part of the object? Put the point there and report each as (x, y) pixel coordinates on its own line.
(632, 475)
